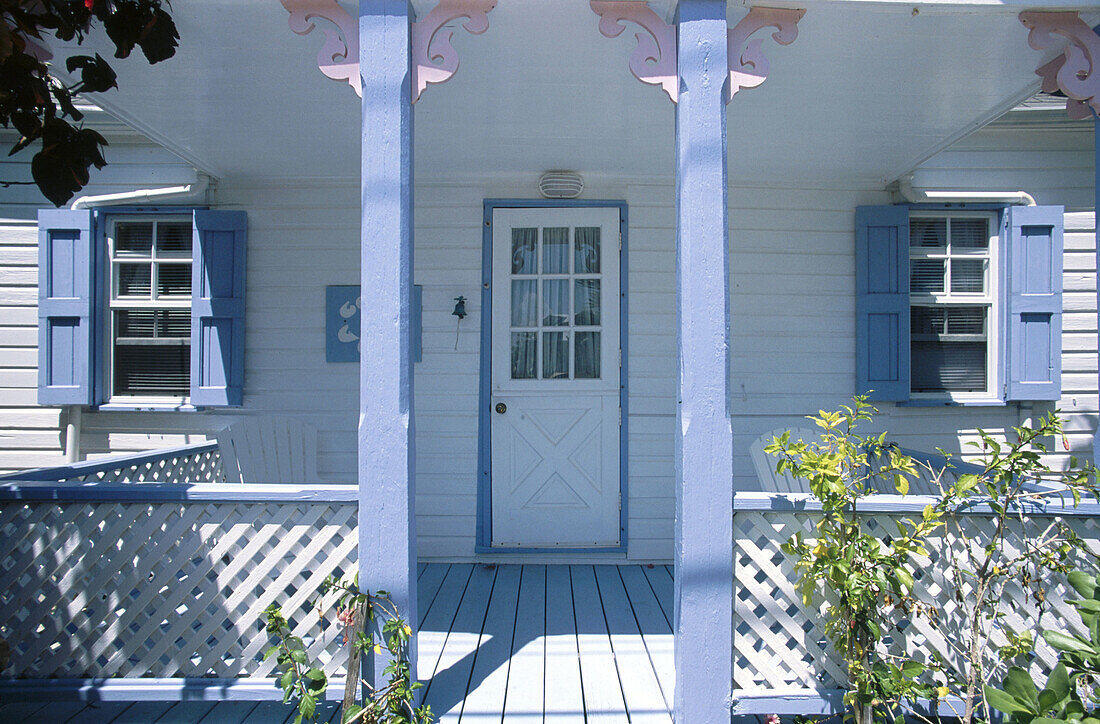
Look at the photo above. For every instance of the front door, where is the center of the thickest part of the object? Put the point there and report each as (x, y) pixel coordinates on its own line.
(554, 390)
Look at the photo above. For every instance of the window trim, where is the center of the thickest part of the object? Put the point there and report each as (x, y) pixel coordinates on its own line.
(105, 311)
(993, 297)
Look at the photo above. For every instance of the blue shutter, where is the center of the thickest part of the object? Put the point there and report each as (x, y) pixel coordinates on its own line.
(882, 302)
(416, 323)
(217, 308)
(65, 320)
(1034, 298)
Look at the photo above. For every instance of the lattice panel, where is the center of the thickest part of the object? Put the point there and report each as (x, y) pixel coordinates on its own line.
(779, 644)
(163, 590)
(196, 467)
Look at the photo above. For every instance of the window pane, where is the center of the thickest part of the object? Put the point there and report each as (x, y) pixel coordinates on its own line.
(586, 366)
(524, 257)
(136, 323)
(153, 324)
(524, 303)
(970, 233)
(134, 280)
(174, 239)
(173, 280)
(159, 369)
(555, 355)
(926, 275)
(555, 302)
(968, 275)
(948, 366)
(555, 250)
(586, 302)
(524, 361)
(966, 320)
(134, 239)
(927, 232)
(926, 321)
(587, 250)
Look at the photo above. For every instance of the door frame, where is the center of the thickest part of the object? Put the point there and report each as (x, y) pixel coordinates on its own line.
(483, 542)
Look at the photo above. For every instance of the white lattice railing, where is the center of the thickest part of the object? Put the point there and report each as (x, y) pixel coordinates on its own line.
(199, 463)
(166, 580)
(779, 645)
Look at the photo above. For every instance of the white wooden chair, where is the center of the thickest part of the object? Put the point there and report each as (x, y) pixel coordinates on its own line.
(770, 481)
(268, 450)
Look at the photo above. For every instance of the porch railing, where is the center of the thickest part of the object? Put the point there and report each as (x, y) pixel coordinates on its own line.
(781, 654)
(198, 463)
(163, 579)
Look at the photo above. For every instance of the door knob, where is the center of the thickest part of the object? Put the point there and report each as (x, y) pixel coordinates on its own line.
(501, 408)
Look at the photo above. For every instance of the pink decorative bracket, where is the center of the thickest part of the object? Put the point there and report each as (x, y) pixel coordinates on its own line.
(654, 60)
(1072, 72)
(749, 67)
(434, 58)
(339, 56)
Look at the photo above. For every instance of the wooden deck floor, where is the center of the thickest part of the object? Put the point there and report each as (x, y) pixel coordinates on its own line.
(503, 643)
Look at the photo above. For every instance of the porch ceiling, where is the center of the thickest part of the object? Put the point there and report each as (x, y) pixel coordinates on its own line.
(867, 91)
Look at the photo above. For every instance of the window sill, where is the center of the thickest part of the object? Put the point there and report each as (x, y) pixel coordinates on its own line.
(146, 407)
(947, 402)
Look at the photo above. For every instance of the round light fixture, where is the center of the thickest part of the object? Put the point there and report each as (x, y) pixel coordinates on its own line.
(561, 185)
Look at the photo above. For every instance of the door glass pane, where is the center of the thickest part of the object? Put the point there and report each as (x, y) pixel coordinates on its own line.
(968, 275)
(586, 302)
(555, 302)
(587, 250)
(524, 361)
(524, 256)
(524, 303)
(586, 366)
(555, 250)
(926, 275)
(555, 355)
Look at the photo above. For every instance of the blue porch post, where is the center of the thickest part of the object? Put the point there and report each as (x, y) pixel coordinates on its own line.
(387, 535)
(704, 443)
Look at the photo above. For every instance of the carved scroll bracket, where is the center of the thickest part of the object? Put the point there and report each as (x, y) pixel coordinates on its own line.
(748, 66)
(654, 60)
(1073, 71)
(434, 58)
(338, 58)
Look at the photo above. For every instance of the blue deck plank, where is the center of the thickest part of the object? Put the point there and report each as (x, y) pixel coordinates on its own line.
(143, 712)
(231, 712)
(99, 713)
(427, 587)
(269, 712)
(523, 702)
(56, 712)
(660, 580)
(656, 629)
(490, 674)
(186, 712)
(436, 623)
(447, 688)
(564, 699)
(641, 690)
(19, 712)
(603, 695)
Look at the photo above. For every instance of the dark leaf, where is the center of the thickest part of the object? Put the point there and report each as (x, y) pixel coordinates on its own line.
(96, 74)
(158, 40)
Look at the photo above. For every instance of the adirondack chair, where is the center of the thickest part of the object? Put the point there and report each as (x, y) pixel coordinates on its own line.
(268, 450)
(770, 481)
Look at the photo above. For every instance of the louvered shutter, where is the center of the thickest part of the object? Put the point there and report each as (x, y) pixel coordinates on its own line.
(65, 299)
(882, 302)
(217, 308)
(1034, 299)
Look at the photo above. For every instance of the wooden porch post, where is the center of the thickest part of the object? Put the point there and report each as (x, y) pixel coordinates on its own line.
(387, 534)
(704, 443)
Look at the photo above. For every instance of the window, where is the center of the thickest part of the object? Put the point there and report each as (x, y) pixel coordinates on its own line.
(141, 309)
(958, 305)
(952, 301)
(149, 330)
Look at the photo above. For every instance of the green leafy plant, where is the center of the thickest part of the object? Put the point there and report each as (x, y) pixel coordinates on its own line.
(861, 578)
(1070, 692)
(373, 627)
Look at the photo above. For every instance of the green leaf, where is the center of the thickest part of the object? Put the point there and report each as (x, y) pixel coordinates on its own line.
(350, 713)
(1066, 642)
(1002, 701)
(287, 681)
(905, 579)
(1056, 690)
(307, 706)
(1083, 583)
(1019, 686)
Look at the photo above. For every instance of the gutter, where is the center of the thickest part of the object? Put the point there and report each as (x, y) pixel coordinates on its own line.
(926, 196)
(191, 192)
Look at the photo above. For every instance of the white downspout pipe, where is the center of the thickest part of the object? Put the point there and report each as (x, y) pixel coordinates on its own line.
(191, 192)
(925, 196)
